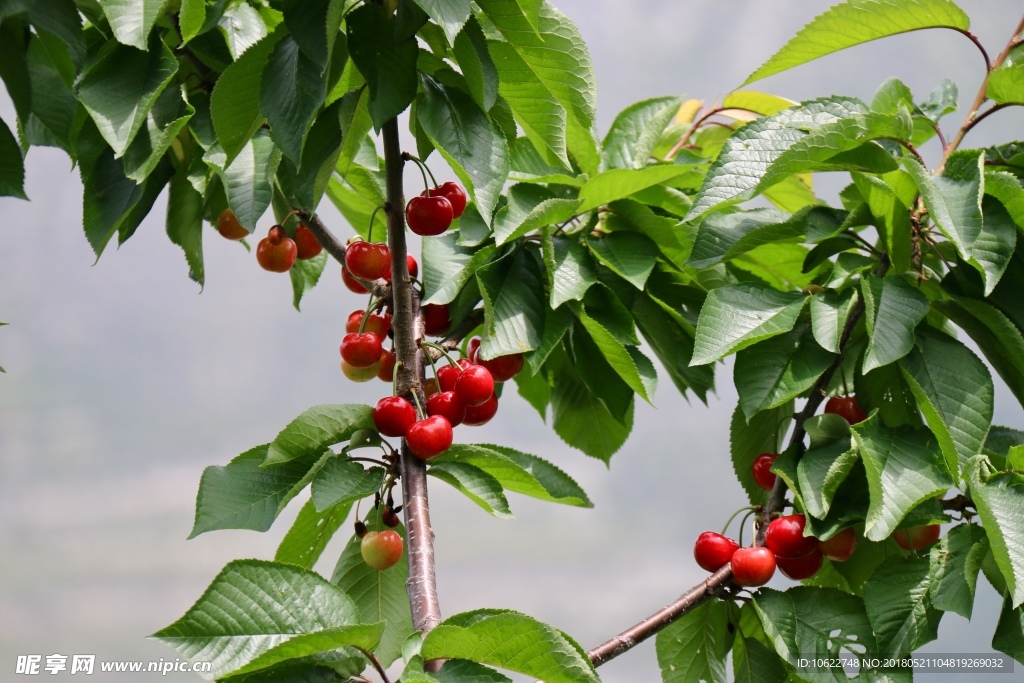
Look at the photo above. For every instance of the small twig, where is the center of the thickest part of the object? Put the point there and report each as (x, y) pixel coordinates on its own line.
(870, 247)
(376, 664)
(981, 48)
(909, 147)
(958, 503)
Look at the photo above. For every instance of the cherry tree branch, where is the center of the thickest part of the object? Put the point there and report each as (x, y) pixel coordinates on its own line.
(408, 328)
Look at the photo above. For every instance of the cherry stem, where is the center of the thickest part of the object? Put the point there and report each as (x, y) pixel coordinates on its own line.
(394, 378)
(748, 508)
(372, 304)
(369, 233)
(376, 664)
(433, 367)
(743, 523)
(419, 406)
(424, 170)
(443, 352)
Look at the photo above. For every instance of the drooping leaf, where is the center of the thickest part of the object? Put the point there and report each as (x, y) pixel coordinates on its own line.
(617, 183)
(447, 267)
(12, 166)
(316, 429)
(724, 236)
(635, 132)
(1006, 84)
(514, 304)
(292, 88)
(830, 312)
(574, 272)
(450, 15)
(1009, 635)
(185, 223)
(617, 356)
(191, 18)
(778, 369)
(476, 484)
(479, 70)
(897, 598)
(892, 310)
(693, 649)
(304, 276)
(386, 61)
(955, 561)
(737, 316)
(342, 481)
(753, 662)
(310, 533)
(825, 465)
(629, 255)
(247, 178)
(132, 20)
(242, 27)
(583, 421)
(1000, 503)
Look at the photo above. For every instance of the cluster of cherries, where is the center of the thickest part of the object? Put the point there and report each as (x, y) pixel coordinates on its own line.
(277, 252)
(796, 555)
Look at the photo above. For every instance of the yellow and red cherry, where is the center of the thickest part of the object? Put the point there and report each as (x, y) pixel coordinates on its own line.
(381, 549)
(307, 244)
(276, 252)
(377, 324)
(229, 227)
(361, 350)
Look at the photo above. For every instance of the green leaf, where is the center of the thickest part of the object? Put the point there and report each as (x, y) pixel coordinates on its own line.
(477, 485)
(724, 236)
(379, 596)
(617, 356)
(314, 25)
(955, 561)
(191, 18)
(904, 468)
(235, 100)
(859, 21)
(617, 183)
(897, 598)
(519, 472)
(387, 62)
(955, 393)
(1000, 503)
(693, 649)
(737, 316)
(291, 90)
(185, 223)
(826, 464)
(778, 370)
(132, 20)
(997, 337)
(247, 616)
(636, 131)
(830, 311)
(472, 144)
(753, 662)
(747, 440)
(513, 641)
(1007, 188)
(574, 272)
(342, 481)
(892, 310)
(514, 305)
(12, 166)
(164, 122)
(247, 180)
(629, 255)
(671, 339)
(107, 195)
(941, 101)
(1006, 84)
(764, 104)
(310, 534)
(1009, 635)
(890, 213)
(447, 267)
(363, 636)
(304, 276)
(242, 27)
(450, 15)
(526, 210)
(583, 421)
(316, 429)
(992, 251)
(479, 70)
(53, 107)
(121, 86)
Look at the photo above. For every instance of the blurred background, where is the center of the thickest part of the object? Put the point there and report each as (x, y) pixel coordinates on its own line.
(123, 381)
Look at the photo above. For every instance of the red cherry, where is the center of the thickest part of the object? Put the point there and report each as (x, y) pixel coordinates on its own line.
(390, 517)
(360, 374)
(229, 227)
(447, 375)
(393, 416)
(917, 537)
(352, 284)
(762, 470)
(713, 551)
(276, 252)
(387, 366)
(800, 568)
(414, 268)
(475, 385)
(367, 260)
(847, 408)
(840, 547)
(307, 243)
(447, 405)
(429, 215)
(436, 319)
(481, 414)
(361, 350)
(473, 350)
(455, 195)
(381, 549)
(785, 537)
(752, 566)
(502, 368)
(378, 324)
(429, 437)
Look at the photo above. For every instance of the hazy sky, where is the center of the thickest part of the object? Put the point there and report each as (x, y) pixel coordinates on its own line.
(123, 382)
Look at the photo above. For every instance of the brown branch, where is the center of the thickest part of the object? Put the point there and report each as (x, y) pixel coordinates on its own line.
(408, 328)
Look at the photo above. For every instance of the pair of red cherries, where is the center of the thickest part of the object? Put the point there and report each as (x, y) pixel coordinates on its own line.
(434, 210)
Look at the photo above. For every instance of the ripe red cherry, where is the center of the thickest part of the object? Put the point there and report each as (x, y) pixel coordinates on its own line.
(917, 537)
(447, 405)
(361, 350)
(447, 375)
(393, 416)
(713, 551)
(847, 408)
(785, 537)
(378, 324)
(306, 243)
(429, 215)
(436, 320)
(762, 470)
(229, 227)
(387, 366)
(368, 260)
(413, 267)
(381, 549)
(430, 437)
(455, 195)
(481, 414)
(475, 385)
(800, 568)
(352, 284)
(840, 547)
(752, 566)
(360, 374)
(276, 252)
(390, 517)
(502, 368)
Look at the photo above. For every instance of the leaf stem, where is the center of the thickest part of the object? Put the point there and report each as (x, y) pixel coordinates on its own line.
(376, 664)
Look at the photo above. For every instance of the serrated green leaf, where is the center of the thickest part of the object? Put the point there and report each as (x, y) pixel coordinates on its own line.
(826, 464)
(479, 70)
(761, 103)
(859, 21)
(955, 561)
(724, 236)
(132, 20)
(671, 339)
(514, 305)
(693, 649)
(316, 429)
(1006, 84)
(617, 183)
(12, 166)
(450, 15)
(573, 274)
(291, 89)
(242, 27)
(51, 73)
(1000, 503)
(941, 101)
(897, 598)
(830, 311)
(737, 316)
(636, 131)
(904, 468)
(892, 310)
(191, 18)
(386, 61)
(342, 481)
(778, 370)
(616, 354)
(992, 251)
(513, 641)
(747, 440)
(164, 122)
(472, 144)
(247, 179)
(954, 392)
(1007, 188)
(314, 25)
(476, 484)
(889, 210)
(753, 662)
(247, 614)
(629, 255)
(310, 533)
(305, 274)
(1009, 635)
(447, 267)
(185, 223)
(583, 421)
